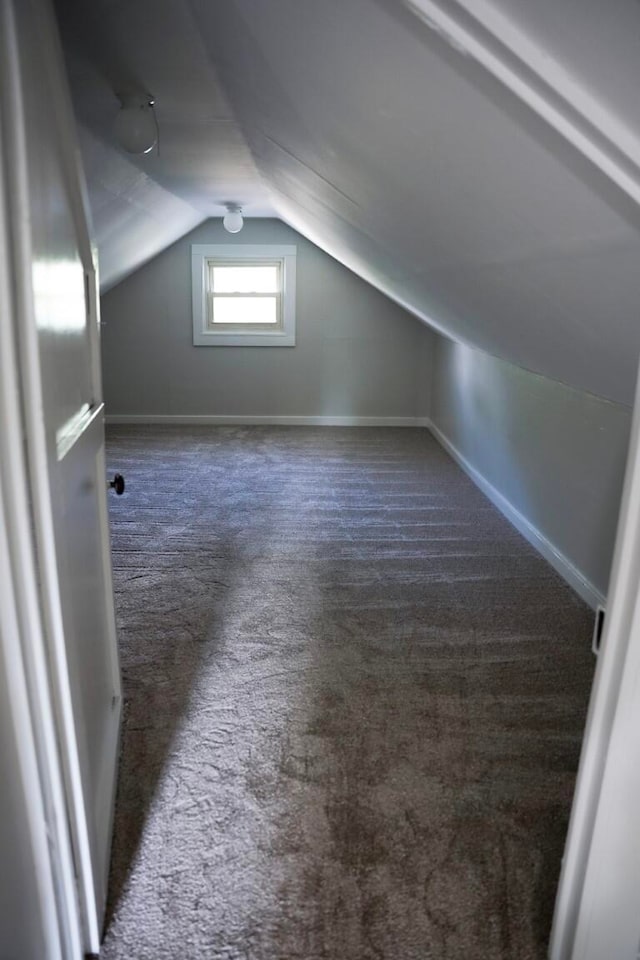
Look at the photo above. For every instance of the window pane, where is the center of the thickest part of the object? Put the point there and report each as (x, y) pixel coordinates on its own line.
(245, 310)
(249, 279)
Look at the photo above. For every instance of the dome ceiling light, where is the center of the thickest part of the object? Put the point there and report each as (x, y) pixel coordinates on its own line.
(233, 220)
(136, 126)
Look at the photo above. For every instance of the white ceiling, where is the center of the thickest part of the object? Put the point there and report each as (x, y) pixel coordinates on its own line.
(597, 43)
(406, 160)
(134, 218)
(142, 204)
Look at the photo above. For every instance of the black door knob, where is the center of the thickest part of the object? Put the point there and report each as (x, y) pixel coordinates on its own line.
(117, 484)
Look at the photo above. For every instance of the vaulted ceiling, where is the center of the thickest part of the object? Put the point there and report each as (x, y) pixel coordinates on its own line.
(477, 160)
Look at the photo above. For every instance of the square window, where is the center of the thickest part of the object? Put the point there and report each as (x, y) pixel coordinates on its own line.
(243, 295)
(247, 293)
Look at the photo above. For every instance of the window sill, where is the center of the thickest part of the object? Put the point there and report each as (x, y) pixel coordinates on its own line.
(210, 338)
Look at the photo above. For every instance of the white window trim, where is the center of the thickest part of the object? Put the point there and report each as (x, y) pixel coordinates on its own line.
(203, 333)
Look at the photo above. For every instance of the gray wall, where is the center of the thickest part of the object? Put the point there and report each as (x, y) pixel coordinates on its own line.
(555, 453)
(357, 353)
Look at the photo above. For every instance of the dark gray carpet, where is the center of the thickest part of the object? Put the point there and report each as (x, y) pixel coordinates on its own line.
(354, 703)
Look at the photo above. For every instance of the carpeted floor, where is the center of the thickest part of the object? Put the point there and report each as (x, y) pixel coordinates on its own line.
(354, 703)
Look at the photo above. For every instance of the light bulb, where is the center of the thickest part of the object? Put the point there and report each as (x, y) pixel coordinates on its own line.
(233, 221)
(135, 126)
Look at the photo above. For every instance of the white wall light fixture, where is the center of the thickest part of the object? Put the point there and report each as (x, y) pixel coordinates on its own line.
(233, 221)
(136, 126)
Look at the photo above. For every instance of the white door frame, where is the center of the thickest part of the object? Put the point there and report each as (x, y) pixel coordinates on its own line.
(23, 645)
(597, 911)
(30, 388)
(26, 373)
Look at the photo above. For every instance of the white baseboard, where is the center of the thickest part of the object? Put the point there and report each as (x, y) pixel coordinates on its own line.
(567, 570)
(293, 421)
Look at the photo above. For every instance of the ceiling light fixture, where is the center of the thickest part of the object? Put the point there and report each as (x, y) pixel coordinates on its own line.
(136, 126)
(232, 221)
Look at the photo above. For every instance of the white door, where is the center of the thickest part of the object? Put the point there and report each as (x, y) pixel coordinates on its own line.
(57, 309)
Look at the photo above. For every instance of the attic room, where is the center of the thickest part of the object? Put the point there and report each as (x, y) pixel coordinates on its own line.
(319, 479)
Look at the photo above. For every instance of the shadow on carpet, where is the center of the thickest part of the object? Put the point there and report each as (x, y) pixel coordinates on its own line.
(354, 702)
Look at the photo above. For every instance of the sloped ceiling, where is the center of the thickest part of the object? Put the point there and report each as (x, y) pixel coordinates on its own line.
(133, 217)
(373, 134)
(141, 204)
